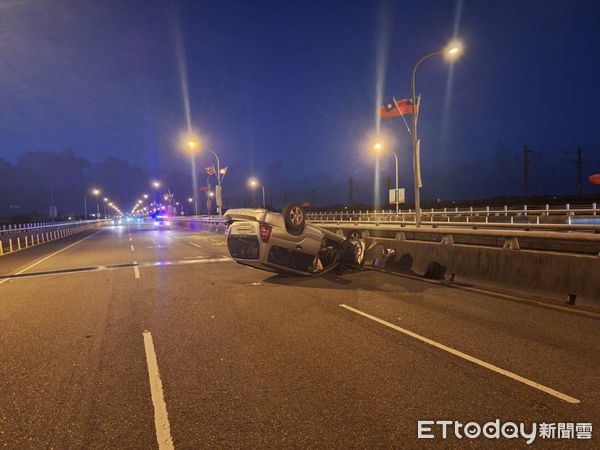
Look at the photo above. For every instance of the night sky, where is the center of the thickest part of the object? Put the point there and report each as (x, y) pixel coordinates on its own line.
(287, 90)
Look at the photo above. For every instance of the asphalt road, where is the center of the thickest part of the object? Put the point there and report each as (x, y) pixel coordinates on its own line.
(245, 358)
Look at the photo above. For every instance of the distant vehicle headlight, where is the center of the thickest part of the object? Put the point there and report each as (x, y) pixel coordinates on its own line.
(156, 223)
(167, 223)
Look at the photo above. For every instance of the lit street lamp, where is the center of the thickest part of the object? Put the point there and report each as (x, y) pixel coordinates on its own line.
(193, 146)
(195, 201)
(97, 192)
(452, 51)
(254, 183)
(169, 196)
(378, 148)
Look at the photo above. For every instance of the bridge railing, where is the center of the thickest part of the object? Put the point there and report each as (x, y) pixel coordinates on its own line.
(21, 236)
(443, 214)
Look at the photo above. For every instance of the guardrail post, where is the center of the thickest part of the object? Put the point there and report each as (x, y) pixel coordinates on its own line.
(594, 208)
(26, 241)
(10, 246)
(505, 210)
(37, 237)
(487, 210)
(568, 207)
(1, 249)
(18, 243)
(525, 210)
(547, 209)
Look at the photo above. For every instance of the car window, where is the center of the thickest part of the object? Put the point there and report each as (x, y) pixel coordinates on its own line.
(243, 247)
(292, 259)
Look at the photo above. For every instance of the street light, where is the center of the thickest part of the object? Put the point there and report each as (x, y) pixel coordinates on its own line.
(378, 149)
(253, 182)
(195, 201)
(193, 145)
(452, 51)
(96, 193)
(157, 184)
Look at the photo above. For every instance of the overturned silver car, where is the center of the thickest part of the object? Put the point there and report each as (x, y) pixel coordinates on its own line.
(285, 243)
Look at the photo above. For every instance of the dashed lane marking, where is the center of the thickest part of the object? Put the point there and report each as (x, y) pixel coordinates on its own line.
(136, 270)
(161, 418)
(472, 359)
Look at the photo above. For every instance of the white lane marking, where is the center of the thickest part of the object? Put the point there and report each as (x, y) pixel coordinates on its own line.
(130, 239)
(194, 244)
(132, 249)
(161, 418)
(136, 270)
(4, 280)
(469, 358)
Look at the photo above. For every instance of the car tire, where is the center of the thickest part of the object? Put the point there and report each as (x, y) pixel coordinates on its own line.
(294, 218)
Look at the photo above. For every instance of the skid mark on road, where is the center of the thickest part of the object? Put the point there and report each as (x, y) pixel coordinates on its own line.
(472, 359)
(161, 418)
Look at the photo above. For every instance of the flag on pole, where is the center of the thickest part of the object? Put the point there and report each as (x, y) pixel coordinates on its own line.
(210, 170)
(395, 108)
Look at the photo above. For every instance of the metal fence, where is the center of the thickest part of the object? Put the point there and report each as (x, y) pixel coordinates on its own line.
(21, 236)
(547, 210)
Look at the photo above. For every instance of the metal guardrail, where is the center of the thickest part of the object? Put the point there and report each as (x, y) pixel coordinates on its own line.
(543, 237)
(20, 237)
(474, 225)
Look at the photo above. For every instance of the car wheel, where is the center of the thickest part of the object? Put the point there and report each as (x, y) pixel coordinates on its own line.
(294, 218)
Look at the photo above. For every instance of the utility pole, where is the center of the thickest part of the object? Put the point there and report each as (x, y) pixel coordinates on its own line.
(351, 190)
(526, 162)
(579, 170)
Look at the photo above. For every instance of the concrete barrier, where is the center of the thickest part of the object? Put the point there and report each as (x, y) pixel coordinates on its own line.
(557, 276)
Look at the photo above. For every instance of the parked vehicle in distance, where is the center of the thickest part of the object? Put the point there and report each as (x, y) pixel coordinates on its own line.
(285, 243)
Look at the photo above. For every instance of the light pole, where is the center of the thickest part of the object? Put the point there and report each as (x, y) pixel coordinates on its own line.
(378, 148)
(96, 192)
(195, 201)
(452, 51)
(194, 145)
(254, 183)
(169, 196)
